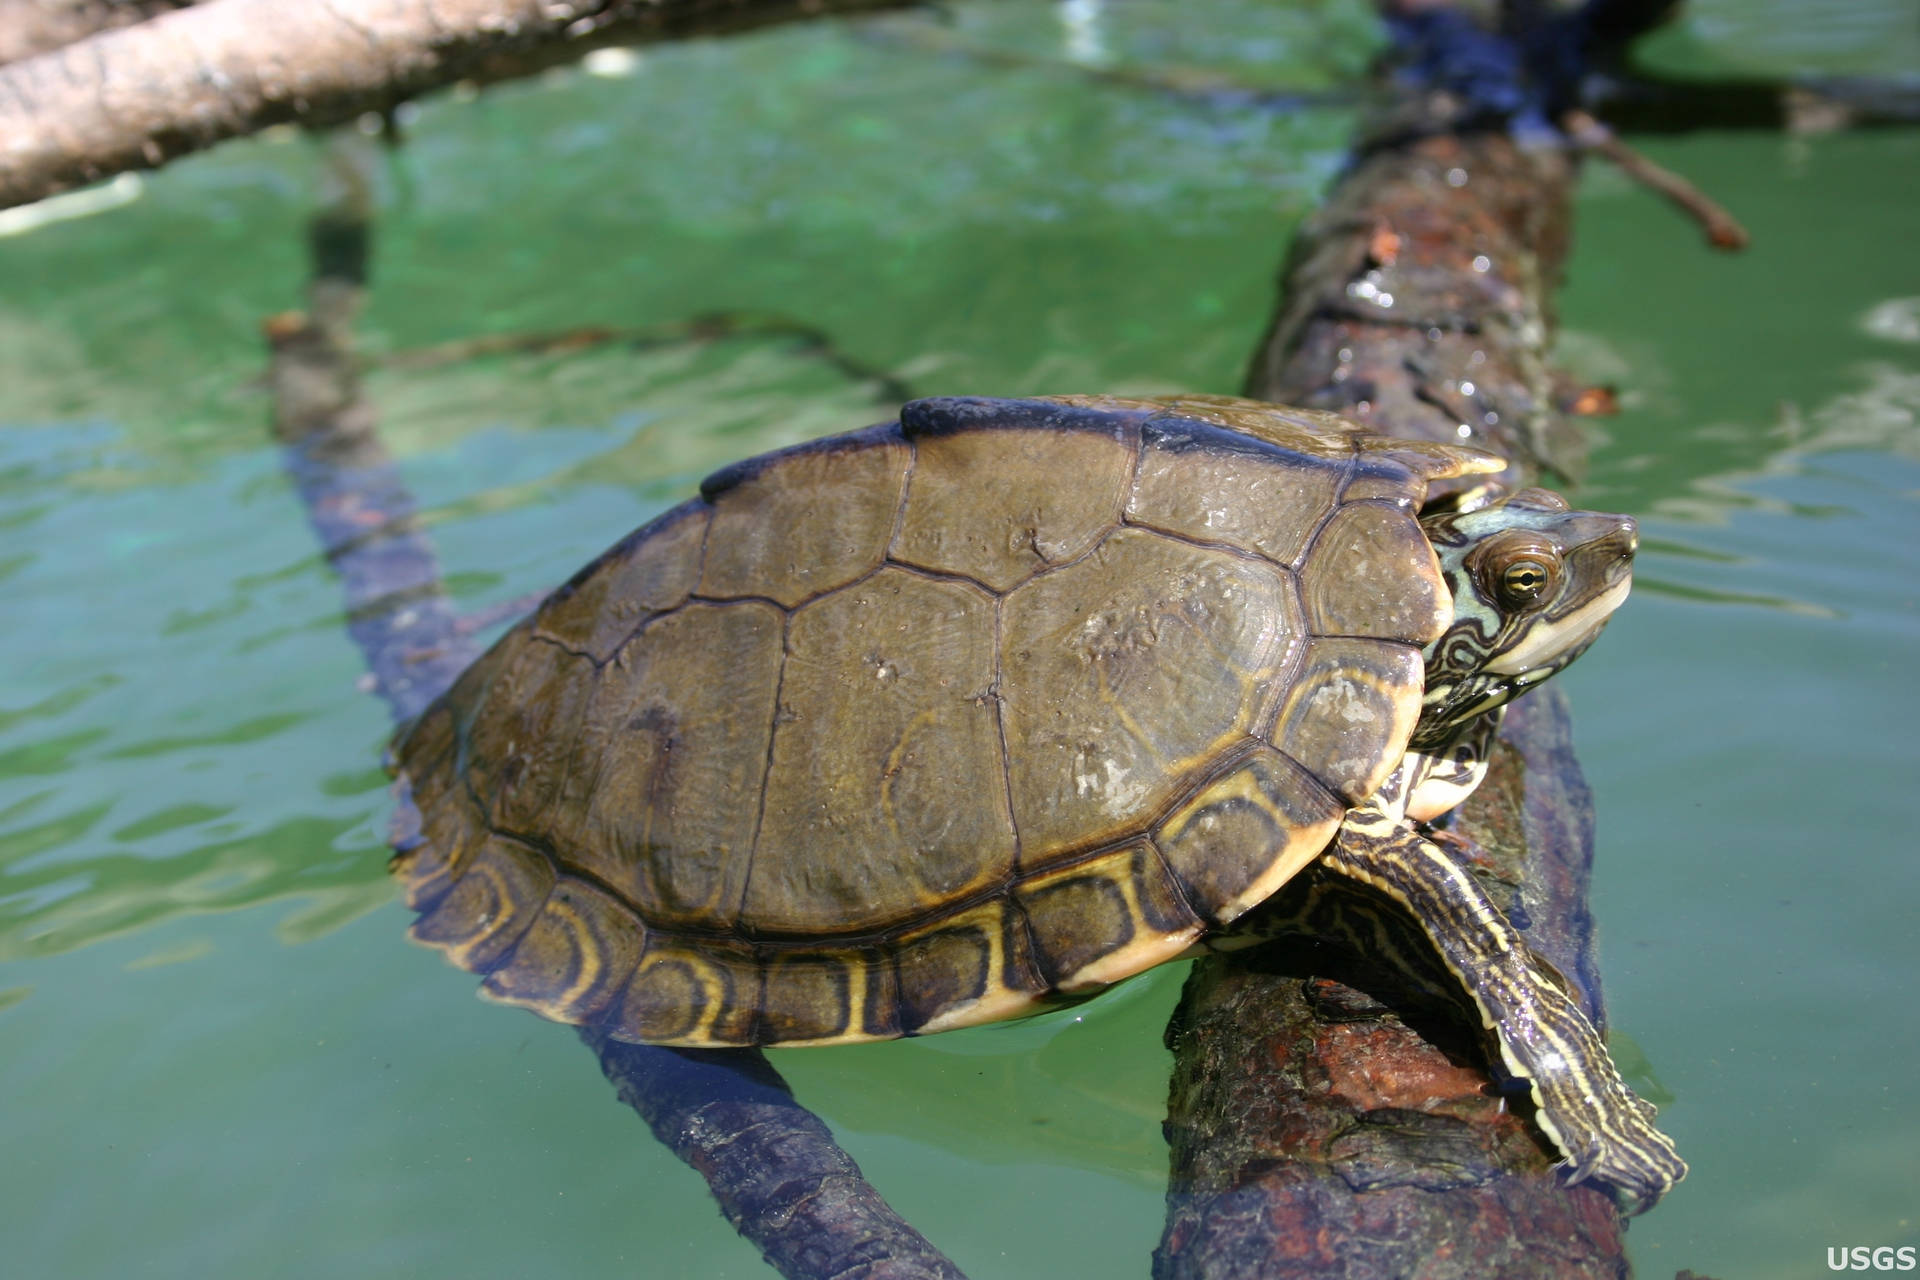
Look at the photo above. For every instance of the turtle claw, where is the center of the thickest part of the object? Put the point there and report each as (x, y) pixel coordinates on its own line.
(1614, 1143)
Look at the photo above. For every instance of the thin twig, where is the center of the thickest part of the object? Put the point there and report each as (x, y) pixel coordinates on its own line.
(1723, 229)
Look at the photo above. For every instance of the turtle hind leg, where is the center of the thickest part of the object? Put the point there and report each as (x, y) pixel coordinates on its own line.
(1582, 1104)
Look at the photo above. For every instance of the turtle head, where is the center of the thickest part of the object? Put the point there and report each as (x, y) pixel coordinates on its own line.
(1533, 582)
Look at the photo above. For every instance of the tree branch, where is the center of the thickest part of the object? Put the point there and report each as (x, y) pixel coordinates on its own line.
(29, 27)
(137, 97)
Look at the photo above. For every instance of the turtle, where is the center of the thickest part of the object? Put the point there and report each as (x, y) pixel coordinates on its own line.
(950, 719)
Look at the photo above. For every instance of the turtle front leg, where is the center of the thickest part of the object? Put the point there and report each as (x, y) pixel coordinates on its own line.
(1583, 1105)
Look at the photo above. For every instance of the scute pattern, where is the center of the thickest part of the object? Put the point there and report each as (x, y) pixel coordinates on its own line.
(915, 727)
(676, 751)
(606, 602)
(885, 699)
(990, 505)
(1351, 712)
(1197, 639)
(1374, 574)
(1212, 486)
(805, 521)
(1247, 833)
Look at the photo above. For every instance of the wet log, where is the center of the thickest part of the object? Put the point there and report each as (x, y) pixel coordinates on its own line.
(773, 1166)
(1332, 1112)
(136, 97)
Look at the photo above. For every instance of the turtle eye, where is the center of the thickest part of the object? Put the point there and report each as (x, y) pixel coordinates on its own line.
(1526, 578)
(1516, 569)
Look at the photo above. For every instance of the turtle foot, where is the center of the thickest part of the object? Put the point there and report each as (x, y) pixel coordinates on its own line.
(1611, 1139)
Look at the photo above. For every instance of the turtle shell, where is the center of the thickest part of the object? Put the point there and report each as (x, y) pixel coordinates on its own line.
(931, 723)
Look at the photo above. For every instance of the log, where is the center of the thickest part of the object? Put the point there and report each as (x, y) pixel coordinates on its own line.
(1332, 1112)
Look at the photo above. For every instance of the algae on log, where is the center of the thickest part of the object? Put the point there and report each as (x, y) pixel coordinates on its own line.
(1330, 1113)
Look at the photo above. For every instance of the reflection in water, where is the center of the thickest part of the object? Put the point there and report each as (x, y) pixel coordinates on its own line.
(1879, 417)
(1708, 595)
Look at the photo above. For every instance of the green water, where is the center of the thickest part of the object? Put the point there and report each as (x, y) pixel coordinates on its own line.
(219, 1055)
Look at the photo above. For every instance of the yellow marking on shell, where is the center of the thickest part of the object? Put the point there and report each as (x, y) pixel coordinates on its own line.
(1247, 712)
(1148, 948)
(461, 953)
(465, 843)
(1328, 721)
(1302, 844)
(712, 985)
(856, 971)
(849, 1037)
(998, 1000)
(589, 960)
(1433, 460)
(997, 1005)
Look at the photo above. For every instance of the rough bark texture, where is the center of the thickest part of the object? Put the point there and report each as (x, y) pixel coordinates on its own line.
(1417, 299)
(139, 96)
(1331, 1112)
(773, 1167)
(29, 27)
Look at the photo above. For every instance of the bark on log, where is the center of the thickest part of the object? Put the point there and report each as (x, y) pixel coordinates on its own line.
(137, 97)
(29, 27)
(1331, 1114)
(774, 1168)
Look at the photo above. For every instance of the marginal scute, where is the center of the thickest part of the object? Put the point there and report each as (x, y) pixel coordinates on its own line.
(1210, 485)
(1247, 833)
(800, 523)
(453, 828)
(649, 571)
(488, 906)
(970, 968)
(1430, 459)
(575, 956)
(991, 504)
(1096, 922)
(681, 994)
(1371, 572)
(673, 756)
(1127, 672)
(942, 971)
(887, 700)
(1308, 432)
(1351, 712)
(814, 996)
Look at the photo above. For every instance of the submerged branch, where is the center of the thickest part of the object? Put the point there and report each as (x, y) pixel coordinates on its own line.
(773, 1167)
